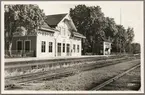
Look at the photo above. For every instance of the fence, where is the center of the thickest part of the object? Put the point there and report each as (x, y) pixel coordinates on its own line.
(20, 53)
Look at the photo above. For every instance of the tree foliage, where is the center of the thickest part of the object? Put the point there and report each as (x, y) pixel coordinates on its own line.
(120, 39)
(130, 36)
(30, 17)
(81, 18)
(135, 48)
(91, 22)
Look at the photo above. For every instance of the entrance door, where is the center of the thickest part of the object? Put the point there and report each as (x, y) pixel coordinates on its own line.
(27, 46)
(19, 46)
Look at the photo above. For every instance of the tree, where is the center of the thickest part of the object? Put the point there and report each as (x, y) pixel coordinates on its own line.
(120, 39)
(130, 36)
(135, 48)
(110, 29)
(81, 18)
(30, 17)
(90, 22)
(97, 28)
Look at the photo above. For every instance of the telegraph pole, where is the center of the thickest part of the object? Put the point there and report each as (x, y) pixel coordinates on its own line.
(120, 17)
(120, 24)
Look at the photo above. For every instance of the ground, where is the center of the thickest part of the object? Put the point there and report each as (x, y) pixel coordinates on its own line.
(81, 81)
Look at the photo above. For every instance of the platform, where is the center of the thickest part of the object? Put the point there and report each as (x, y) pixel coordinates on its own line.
(48, 58)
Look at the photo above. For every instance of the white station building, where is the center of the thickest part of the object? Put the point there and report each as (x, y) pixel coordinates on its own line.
(57, 37)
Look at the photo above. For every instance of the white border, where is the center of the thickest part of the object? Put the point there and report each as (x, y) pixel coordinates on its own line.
(2, 48)
(60, 2)
(59, 92)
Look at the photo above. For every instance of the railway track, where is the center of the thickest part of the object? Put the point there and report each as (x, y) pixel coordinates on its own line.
(23, 70)
(102, 85)
(98, 64)
(44, 67)
(46, 75)
(58, 70)
(43, 72)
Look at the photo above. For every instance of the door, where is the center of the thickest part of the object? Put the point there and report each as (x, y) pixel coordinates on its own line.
(27, 46)
(19, 46)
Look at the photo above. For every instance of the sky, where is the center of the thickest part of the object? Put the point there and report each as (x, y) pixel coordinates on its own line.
(130, 12)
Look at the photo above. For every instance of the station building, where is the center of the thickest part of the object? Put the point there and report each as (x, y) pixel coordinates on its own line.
(58, 36)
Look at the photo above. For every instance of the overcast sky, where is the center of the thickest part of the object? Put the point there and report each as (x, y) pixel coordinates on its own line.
(131, 12)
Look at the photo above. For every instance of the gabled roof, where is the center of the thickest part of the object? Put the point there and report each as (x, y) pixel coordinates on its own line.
(47, 28)
(45, 25)
(53, 20)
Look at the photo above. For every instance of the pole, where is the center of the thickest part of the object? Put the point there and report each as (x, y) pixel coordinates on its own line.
(120, 17)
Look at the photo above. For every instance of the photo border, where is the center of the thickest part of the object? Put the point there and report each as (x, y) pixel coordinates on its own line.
(66, 92)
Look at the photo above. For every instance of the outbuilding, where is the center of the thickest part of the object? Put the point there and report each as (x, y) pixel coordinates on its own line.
(106, 48)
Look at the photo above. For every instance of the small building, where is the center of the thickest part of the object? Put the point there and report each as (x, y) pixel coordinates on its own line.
(58, 36)
(103, 47)
(106, 48)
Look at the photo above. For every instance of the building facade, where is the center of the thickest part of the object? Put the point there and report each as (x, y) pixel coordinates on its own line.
(57, 37)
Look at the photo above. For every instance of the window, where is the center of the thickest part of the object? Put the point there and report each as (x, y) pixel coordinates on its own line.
(68, 49)
(78, 48)
(19, 46)
(43, 44)
(59, 49)
(50, 46)
(74, 47)
(63, 47)
(27, 46)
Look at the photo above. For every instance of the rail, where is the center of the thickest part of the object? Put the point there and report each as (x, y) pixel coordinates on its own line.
(114, 78)
(53, 74)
